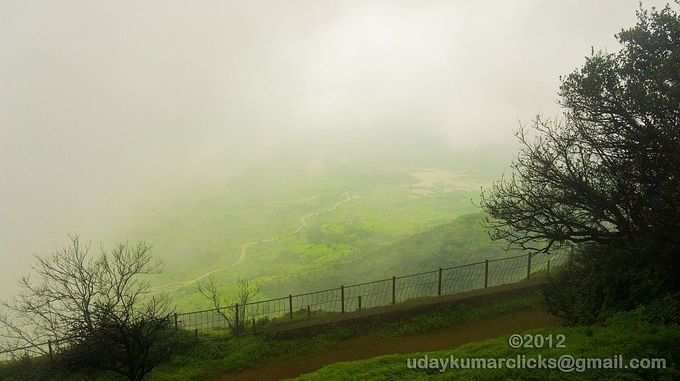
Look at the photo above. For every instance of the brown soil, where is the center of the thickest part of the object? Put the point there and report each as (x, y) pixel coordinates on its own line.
(365, 347)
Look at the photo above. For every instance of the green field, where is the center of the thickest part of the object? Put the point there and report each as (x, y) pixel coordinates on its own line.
(320, 219)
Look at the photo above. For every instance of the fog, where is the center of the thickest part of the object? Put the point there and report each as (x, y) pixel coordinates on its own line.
(105, 104)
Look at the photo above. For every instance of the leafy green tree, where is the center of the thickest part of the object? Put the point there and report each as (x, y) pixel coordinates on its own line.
(608, 172)
(605, 178)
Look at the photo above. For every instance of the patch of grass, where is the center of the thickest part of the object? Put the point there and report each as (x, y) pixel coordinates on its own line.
(625, 334)
(457, 242)
(215, 355)
(203, 357)
(460, 313)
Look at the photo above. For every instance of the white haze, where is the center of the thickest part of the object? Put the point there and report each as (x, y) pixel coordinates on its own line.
(104, 104)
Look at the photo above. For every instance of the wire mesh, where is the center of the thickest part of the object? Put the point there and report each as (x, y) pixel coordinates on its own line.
(463, 278)
(368, 295)
(208, 319)
(354, 297)
(35, 350)
(317, 302)
(508, 270)
(416, 286)
(26, 351)
(266, 310)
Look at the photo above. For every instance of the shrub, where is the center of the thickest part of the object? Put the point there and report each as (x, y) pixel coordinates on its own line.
(600, 280)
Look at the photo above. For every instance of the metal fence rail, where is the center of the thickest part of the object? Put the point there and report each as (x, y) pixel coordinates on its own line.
(48, 348)
(344, 299)
(384, 292)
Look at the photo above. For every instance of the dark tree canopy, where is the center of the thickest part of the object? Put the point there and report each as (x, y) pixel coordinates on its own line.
(609, 170)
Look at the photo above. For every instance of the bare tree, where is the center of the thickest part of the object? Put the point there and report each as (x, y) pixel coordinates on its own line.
(99, 307)
(59, 302)
(229, 310)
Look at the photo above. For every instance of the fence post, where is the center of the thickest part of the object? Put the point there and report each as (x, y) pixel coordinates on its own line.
(309, 312)
(439, 283)
(254, 326)
(236, 320)
(240, 317)
(342, 299)
(49, 347)
(394, 290)
(529, 266)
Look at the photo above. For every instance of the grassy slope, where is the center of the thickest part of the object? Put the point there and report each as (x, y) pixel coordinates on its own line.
(214, 356)
(625, 334)
(205, 357)
(460, 241)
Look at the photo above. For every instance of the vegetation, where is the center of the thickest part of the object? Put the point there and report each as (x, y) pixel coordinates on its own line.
(200, 358)
(461, 241)
(600, 281)
(235, 316)
(96, 309)
(607, 176)
(604, 181)
(287, 229)
(632, 335)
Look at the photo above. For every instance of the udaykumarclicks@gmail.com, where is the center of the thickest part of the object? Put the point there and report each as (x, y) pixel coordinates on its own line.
(564, 363)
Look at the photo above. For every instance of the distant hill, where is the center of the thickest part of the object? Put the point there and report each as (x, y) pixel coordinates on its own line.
(463, 240)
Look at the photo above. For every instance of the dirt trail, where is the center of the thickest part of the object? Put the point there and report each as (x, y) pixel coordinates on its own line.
(347, 197)
(300, 227)
(365, 347)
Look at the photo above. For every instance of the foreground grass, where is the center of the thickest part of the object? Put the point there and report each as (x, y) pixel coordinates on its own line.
(211, 356)
(627, 334)
(205, 357)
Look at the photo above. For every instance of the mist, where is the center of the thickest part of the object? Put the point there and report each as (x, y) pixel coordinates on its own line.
(108, 106)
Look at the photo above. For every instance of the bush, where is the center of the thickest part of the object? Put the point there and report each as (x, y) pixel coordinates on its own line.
(664, 310)
(131, 347)
(599, 280)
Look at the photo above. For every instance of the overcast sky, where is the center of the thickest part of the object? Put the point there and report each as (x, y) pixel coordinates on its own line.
(101, 99)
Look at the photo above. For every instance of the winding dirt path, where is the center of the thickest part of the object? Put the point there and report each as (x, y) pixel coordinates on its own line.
(301, 226)
(347, 197)
(366, 347)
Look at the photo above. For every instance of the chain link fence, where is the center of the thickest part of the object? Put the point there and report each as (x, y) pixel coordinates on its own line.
(48, 348)
(253, 316)
(379, 293)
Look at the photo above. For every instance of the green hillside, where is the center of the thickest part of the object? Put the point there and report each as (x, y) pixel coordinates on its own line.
(319, 219)
(461, 241)
(627, 334)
